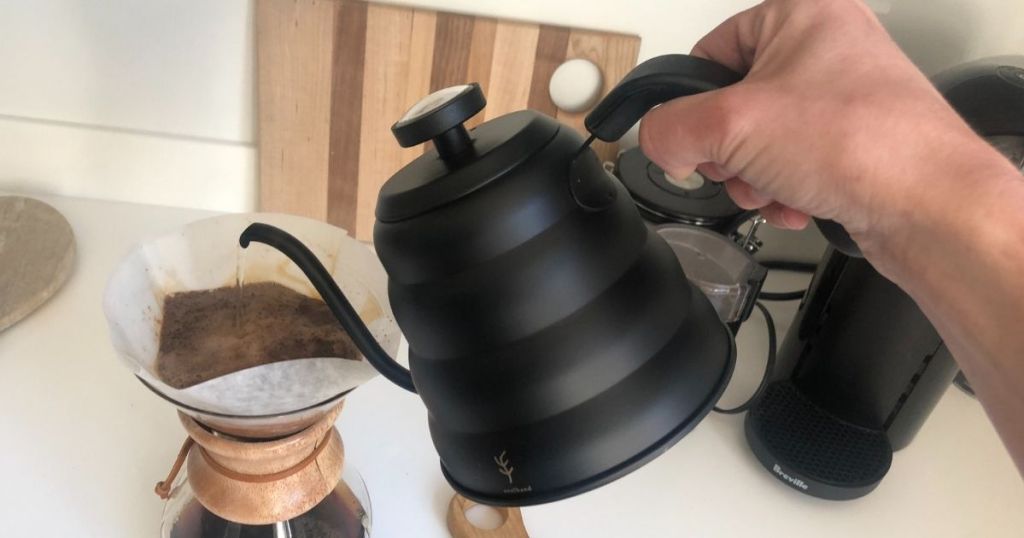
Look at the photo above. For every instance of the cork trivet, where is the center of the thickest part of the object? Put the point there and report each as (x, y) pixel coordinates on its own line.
(511, 525)
(37, 253)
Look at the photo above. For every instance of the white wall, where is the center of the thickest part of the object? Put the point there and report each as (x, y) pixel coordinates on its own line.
(154, 101)
(140, 101)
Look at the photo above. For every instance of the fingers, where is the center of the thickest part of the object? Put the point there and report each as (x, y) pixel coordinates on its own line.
(784, 217)
(689, 131)
(745, 196)
(714, 171)
(702, 131)
(733, 43)
(778, 215)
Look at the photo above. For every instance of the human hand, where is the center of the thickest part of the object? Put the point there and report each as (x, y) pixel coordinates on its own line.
(831, 120)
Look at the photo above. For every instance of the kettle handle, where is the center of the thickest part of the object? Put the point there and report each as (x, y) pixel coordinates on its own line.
(332, 296)
(838, 237)
(652, 83)
(668, 77)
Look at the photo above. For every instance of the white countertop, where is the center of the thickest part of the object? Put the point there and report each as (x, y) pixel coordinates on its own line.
(83, 442)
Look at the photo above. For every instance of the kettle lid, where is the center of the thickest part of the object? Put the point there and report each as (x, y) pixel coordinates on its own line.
(661, 198)
(462, 160)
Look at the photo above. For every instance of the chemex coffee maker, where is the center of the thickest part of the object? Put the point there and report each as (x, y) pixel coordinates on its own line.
(262, 455)
(557, 343)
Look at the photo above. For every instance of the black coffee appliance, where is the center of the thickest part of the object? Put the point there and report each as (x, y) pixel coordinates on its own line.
(857, 374)
(989, 95)
(861, 367)
(554, 338)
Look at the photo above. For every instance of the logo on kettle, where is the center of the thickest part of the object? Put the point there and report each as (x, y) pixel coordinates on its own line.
(504, 465)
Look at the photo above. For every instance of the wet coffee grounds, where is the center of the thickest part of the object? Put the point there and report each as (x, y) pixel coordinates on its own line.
(210, 333)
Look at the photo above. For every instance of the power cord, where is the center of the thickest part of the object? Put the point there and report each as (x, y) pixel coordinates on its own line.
(781, 295)
(769, 365)
(788, 265)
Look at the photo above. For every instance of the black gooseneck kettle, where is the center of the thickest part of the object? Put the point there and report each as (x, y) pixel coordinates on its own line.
(553, 337)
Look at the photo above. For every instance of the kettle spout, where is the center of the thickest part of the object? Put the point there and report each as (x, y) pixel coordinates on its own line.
(328, 289)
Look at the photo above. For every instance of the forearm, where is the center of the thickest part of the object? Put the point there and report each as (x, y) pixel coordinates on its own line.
(960, 255)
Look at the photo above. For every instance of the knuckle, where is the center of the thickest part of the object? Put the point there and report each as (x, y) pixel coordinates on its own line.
(653, 136)
(816, 11)
(719, 123)
(729, 120)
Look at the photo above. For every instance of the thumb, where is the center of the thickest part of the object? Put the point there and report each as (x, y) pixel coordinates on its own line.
(703, 128)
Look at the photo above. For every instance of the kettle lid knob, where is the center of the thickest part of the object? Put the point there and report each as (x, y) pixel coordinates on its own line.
(439, 117)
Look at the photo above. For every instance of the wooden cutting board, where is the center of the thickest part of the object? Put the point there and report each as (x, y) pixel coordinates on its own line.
(334, 75)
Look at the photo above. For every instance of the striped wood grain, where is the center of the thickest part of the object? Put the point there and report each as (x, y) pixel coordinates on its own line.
(335, 74)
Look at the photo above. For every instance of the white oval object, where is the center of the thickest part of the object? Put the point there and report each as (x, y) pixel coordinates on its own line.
(691, 182)
(576, 85)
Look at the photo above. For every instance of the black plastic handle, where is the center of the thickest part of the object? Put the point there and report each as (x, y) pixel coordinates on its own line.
(838, 237)
(652, 83)
(668, 77)
(333, 297)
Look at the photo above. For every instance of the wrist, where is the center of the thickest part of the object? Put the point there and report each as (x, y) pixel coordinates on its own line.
(962, 203)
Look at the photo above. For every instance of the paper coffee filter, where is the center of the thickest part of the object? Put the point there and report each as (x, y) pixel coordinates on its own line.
(205, 255)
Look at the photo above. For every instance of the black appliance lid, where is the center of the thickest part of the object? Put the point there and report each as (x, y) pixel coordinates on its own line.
(1010, 146)
(988, 94)
(693, 200)
(498, 146)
